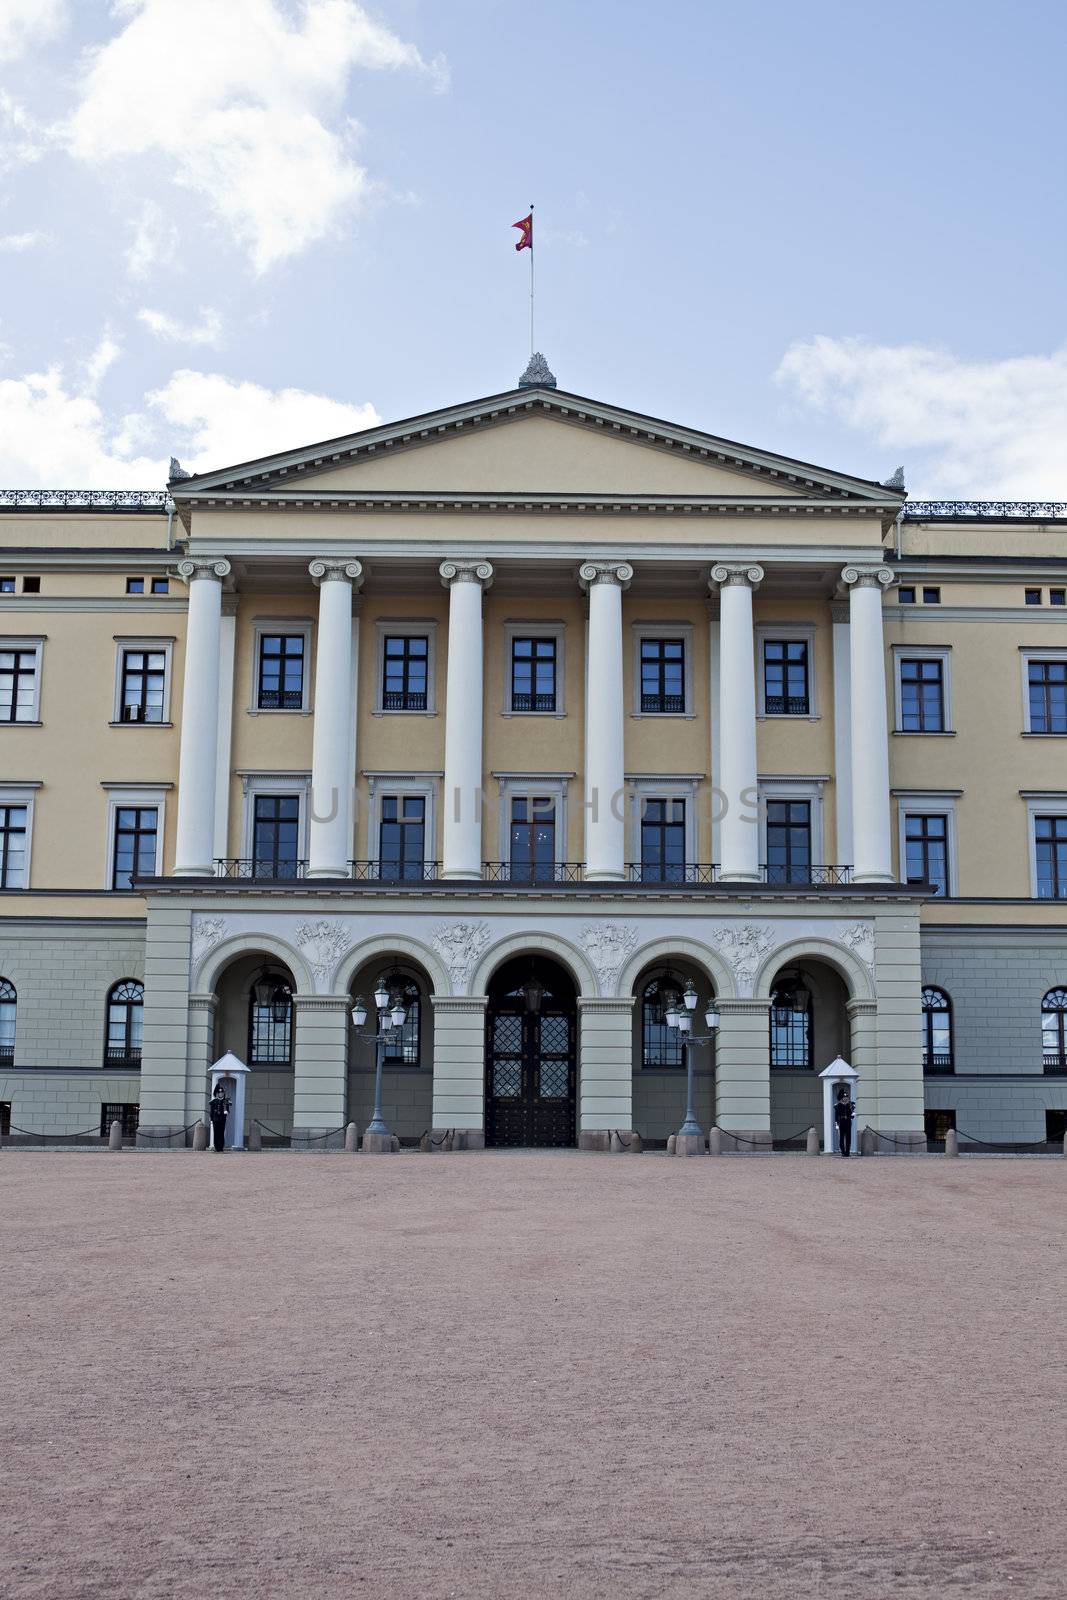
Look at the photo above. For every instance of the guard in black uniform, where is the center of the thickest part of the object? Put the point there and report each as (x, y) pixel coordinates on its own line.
(844, 1111)
(220, 1110)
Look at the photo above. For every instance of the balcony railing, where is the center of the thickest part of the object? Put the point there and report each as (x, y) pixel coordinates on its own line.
(938, 1063)
(1054, 1062)
(404, 700)
(664, 704)
(117, 1056)
(265, 867)
(792, 875)
(531, 872)
(7, 1055)
(689, 872)
(394, 871)
(281, 700)
(533, 702)
(779, 705)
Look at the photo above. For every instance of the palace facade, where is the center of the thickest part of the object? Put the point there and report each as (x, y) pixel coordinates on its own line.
(539, 711)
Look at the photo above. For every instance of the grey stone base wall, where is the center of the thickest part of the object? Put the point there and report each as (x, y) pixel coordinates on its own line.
(796, 1103)
(659, 1102)
(64, 1102)
(999, 1110)
(268, 1099)
(407, 1101)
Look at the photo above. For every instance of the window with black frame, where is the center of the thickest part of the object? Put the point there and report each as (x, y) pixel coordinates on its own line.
(788, 841)
(662, 840)
(125, 1012)
(281, 672)
(402, 1045)
(14, 824)
(662, 676)
(937, 1031)
(532, 841)
(143, 679)
(1054, 1030)
(270, 1022)
(533, 675)
(276, 835)
(8, 1012)
(922, 696)
(405, 672)
(136, 836)
(1047, 683)
(18, 684)
(792, 1035)
(661, 1045)
(1050, 854)
(926, 849)
(785, 678)
(402, 837)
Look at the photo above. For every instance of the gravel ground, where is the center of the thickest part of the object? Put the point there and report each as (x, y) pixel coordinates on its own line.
(544, 1374)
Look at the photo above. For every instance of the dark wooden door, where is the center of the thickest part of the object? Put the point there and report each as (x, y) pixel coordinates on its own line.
(530, 1077)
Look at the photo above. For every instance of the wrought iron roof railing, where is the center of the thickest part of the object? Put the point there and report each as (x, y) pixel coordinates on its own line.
(393, 872)
(92, 499)
(1036, 510)
(264, 868)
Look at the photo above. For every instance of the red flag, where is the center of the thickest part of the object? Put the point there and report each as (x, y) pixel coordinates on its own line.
(526, 229)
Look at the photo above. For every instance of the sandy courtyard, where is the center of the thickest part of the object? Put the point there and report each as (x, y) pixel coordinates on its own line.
(531, 1375)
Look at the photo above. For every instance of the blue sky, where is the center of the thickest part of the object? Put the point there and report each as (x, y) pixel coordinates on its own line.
(232, 226)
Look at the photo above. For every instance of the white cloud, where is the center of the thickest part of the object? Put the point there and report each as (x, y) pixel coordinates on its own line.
(22, 140)
(207, 331)
(259, 134)
(155, 238)
(100, 362)
(26, 23)
(965, 428)
(16, 243)
(55, 434)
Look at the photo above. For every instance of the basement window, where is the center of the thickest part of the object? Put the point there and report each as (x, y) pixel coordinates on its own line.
(931, 597)
(1055, 1124)
(160, 585)
(135, 586)
(126, 1113)
(937, 1125)
(1057, 597)
(31, 585)
(5, 1119)
(1033, 597)
(7, 585)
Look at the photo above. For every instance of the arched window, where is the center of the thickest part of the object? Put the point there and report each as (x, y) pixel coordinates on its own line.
(792, 1035)
(661, 1046)
(937, 1031)
(1054, 1030)
(125, 1009)
(270, 1021)
(402, 1044)
(8, 999)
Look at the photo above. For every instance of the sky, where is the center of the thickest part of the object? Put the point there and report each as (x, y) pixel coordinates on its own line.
(833, 230)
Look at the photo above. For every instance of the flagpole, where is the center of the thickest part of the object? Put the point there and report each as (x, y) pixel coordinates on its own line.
(531, 283)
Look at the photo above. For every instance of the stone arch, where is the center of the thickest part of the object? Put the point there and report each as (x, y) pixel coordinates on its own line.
(215, 962)
(661, 951)
(546, 944)
(854, 973)
(391, 945)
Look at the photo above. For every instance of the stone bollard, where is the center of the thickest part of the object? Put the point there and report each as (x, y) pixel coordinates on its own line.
(396, 1144)
(637, 1144)
(629, 1145)
(448, 1142)
(672, 1143)
(867, 1142)
(952, 1142)
(200, 1136)
(424, 1144)
(255, 1137)
(715, 1142)
(352, 1139)
(114, 1141)
(812, 1146)
(377, 1144)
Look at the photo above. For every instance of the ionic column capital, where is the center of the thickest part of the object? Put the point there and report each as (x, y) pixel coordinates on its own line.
(872, 577)
(618, 572)
(193, 567)
(329, 569)
(480, 572)
(725, 577)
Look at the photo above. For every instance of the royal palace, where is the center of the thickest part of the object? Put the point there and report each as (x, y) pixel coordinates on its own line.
(532, 713)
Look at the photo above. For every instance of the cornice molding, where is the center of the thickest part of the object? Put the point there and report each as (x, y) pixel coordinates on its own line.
(503, 503)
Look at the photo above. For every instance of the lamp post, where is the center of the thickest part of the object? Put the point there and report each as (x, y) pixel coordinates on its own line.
(390, 1011)
(681, 1017)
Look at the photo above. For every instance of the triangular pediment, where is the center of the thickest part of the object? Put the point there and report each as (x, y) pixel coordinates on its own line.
(538, 441)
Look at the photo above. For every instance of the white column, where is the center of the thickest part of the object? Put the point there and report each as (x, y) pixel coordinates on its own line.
(842, 735)
(871, 850)
(223, 764)
(200, 719)
(605, 722)
(465, 581)
(737, 778)
(330, 835)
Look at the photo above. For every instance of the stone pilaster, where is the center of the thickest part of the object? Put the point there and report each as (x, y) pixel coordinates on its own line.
(743, 1074)
(459, 1065)
(165, 1030)
(605, 1055)
(320, 1070)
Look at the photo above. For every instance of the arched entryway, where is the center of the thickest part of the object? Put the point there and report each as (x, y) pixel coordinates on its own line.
(531, 1066)
(254, 1018)
(809, 1027)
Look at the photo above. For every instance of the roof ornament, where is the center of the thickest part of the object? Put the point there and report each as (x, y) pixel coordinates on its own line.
(177, 471)
(537, 374)
(896, 481)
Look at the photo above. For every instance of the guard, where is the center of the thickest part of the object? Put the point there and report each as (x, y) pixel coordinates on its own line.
(844, 1111)
(219, 1111)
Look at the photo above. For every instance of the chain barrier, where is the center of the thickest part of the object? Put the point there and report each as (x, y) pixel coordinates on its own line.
(57, 1138)
(626, 1143)
(437, 1143)
(319, 1137)
(178, 1132)
(272, 1131)
(901, 1144)
(1040, 1144)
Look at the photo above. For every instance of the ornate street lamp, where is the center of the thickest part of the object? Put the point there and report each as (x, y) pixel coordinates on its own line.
(683, 1021)
(391, 1013)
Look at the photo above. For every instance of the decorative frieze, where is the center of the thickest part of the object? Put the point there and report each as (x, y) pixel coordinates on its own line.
(743, 946)
(609, 945)
(460, 945)
(323, 944)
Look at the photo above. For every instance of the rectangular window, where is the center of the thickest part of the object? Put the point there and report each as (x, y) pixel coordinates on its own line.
(31, 585)
(788, 841)
(161, 586)
(7, 585)
(533, 675)
(937, 1125)
(402, 836)
(135, 586)
(663, 676)
(405, 672)
(281, 672)
(1032, 597)
(785, 678)
(922, 696)
(127, 1114)
(136, 837)
(931, 597)
(143, 679)
(1057, 597)
(13, 830)
(18, 685)
(906, 595)
(1047, 682)
(532, 855)
(926, 845)
(1050, 848)
(275, 836)
(663, 841)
